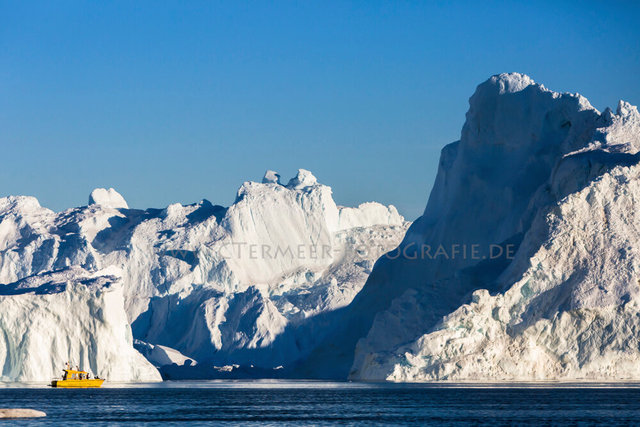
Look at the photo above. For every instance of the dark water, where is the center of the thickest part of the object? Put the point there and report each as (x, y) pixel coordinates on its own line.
(312, 403)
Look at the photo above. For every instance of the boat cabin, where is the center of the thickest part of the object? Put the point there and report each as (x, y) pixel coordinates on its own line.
(70, 374)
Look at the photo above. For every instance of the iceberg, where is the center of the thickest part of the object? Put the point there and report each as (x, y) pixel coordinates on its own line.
(556, 180)
(524, 266)
(68, 315)
(200, 284)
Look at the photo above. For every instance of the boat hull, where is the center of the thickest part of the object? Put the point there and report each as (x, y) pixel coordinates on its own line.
(95, 383)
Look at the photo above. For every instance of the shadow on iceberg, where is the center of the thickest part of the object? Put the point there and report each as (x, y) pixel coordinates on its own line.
(523, 148)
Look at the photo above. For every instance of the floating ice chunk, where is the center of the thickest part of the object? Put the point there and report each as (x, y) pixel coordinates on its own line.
(21, 413)
(161, 355)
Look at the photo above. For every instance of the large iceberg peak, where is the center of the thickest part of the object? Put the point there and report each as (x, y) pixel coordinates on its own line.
(515, 90)
(510, 82)
(511, 114)
(109, 198)
(547, 174)
(515, 133)
(303, 178)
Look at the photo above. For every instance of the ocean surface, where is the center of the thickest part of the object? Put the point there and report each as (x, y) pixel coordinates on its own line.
(326, 403)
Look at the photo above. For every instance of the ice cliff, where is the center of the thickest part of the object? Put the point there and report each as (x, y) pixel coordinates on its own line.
(198, 286)
(556, 181)
(68, 315)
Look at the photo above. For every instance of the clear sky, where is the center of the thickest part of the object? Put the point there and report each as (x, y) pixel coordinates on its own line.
(179, 101)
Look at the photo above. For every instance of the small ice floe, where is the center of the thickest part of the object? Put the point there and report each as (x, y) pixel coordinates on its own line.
(21, 413)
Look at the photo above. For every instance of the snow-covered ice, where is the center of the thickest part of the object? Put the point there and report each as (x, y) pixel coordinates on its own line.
(68, 315)
(275, 283)
(558, 180)
(21, 413)
(107, 197)
(160, 355)
(199, 282)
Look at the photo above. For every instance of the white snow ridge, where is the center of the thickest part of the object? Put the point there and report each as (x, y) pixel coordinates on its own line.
(285, 283)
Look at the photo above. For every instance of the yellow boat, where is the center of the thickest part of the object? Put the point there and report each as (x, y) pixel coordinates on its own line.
(76, 379)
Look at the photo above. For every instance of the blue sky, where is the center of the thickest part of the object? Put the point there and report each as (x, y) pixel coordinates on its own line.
(179, 101)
